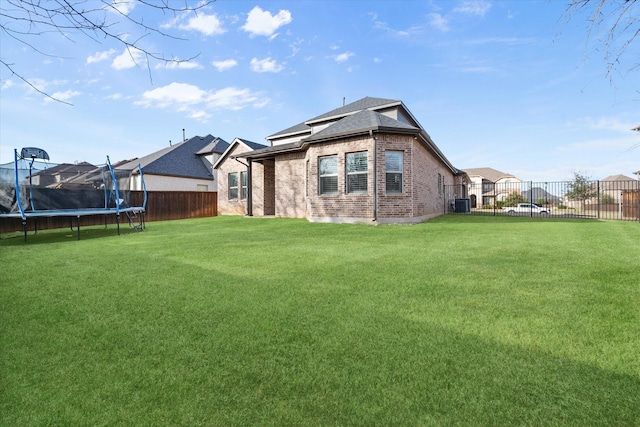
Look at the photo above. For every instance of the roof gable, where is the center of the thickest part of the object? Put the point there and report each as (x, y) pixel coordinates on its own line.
(232, 147)
(366, 103)
(362, 121)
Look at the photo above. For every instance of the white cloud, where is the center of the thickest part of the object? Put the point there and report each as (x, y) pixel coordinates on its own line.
(129, 58)
(377, 60)
(263, 23)
(174, 94)
(196, 102)
(123, 6)
(473, 7)
(605, 123)
(411, 31)
(438, 21)
(208, 25)
(180, 65)
(100, 56)
(266, 65)
(343, 57)
(6, 84)
(224, 65)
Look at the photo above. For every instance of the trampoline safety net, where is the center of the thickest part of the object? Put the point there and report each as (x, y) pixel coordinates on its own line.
(30, 186)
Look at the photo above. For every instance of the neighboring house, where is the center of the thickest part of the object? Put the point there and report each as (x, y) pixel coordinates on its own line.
(62, 175)
(542, 196)
(489, 186)
(368, 161)
(186, 166)
(612, 188)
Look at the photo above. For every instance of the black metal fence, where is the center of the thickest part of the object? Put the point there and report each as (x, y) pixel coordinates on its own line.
(612, 200)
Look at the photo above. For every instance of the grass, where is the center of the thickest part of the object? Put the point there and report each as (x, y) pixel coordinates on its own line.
(245, 321)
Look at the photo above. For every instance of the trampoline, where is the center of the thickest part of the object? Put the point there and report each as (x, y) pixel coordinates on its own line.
(32, 188)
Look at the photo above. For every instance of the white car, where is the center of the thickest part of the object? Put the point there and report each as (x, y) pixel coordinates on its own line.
(526, 208)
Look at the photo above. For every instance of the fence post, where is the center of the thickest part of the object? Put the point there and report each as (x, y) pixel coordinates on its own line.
(598, 192)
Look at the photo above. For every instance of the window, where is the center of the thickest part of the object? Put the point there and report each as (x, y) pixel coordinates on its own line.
(233, 186)
(440, 185)
(243, 184)
(357, 172)
(328, 174)
(393, 169)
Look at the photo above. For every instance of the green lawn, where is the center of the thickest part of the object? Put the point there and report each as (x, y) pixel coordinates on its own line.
(234, 321)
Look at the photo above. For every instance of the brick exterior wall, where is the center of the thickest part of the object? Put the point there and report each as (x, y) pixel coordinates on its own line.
(238, 206)
(342, 205)
(288, 185)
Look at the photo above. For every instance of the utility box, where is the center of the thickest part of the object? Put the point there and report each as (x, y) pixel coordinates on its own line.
(463, 205)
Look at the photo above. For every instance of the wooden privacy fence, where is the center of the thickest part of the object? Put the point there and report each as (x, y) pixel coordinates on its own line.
(161, 206)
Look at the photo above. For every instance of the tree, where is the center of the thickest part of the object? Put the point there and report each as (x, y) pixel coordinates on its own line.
(513, 199)
(613, 27)
(581, 188)
(29, 21)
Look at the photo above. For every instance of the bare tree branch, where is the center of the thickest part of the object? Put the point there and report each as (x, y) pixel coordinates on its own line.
(613, 28)
(30, 21)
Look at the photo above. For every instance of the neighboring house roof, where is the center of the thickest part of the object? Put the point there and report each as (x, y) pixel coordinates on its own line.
(618, 177)
(537, 193)
(180, 160)
(217, 146)
(491, 174)
(237, 141)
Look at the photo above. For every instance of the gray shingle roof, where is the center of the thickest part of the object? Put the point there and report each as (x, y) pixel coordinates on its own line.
(360, 122)
(296, 129)
(218, 145)
(491, 174)
(178, 160)
(618, 177)
(252, 145)
(361, 104)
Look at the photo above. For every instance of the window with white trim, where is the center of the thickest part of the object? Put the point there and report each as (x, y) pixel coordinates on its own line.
(233, 186)
(393, 169)
(357, 172)
(328, 175)
(243, 185)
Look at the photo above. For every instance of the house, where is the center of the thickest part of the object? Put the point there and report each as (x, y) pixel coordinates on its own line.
(63, 175)
(233, 190)
(612, 188)
(186, 166)
(489, 186)
(368, 161)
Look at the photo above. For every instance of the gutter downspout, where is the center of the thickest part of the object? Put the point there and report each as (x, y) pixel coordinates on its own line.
(249, 188)
(249, 201)
(375, 176)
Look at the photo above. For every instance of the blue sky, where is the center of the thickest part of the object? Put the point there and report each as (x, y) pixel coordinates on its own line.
(510, 85)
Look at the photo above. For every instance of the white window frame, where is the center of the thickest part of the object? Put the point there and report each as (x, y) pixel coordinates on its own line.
(326, 176)
(243, 186)
(396, 173)
(355, 173)
(232, 188)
